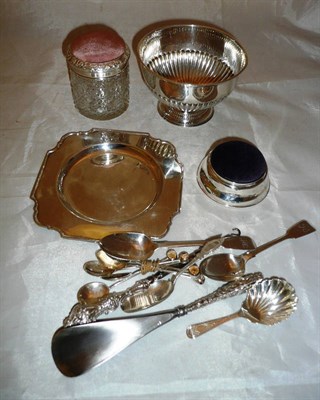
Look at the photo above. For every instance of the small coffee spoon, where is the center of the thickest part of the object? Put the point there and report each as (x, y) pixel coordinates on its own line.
(92, 293)
(226, 267)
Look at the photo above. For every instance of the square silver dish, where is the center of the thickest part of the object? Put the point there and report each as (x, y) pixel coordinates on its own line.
(102, 181)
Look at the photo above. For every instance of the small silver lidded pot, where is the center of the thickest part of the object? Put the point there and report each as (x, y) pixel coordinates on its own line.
(98, 66)
(234, 173)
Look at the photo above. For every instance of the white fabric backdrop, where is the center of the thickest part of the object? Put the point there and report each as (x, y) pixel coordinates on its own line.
(275, 105)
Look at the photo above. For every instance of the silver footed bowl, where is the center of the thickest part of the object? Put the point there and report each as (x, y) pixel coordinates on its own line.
(190, 69)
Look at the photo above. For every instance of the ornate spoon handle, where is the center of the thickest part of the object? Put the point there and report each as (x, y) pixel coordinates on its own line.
(229, 289)
(205, 250)
(84, 314)
(76, 349)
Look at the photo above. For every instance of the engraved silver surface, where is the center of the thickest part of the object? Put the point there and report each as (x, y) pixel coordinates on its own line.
(84, 313)
(231, 289)
(190, 69)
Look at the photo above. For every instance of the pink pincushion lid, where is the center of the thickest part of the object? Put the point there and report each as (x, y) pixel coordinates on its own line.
(98, 46)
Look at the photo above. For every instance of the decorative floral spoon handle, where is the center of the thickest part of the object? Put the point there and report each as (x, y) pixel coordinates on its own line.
(229, 289)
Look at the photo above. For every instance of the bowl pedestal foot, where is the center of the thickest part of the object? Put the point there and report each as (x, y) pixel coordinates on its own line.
(184, 118)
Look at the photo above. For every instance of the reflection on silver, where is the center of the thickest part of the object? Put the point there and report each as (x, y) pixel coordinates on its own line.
(190, 69)
(138, 246)
(107, 159)
(227, 267)
(268, 302)
(76, 349)
(228, 192)
(103, 181)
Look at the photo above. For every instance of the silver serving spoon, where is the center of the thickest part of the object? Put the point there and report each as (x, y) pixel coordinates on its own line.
(268, 302)
(76, 349)
(226, 267)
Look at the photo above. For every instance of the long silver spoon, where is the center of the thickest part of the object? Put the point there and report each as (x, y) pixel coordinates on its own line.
(76, 349)
(226, 267)
(133, 246)
(269, 302)
(138, 246)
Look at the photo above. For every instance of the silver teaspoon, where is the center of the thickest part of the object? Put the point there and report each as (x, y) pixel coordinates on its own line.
(226, 267)
(268, 302)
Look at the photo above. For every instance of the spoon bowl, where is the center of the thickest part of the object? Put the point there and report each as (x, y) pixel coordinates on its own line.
(95, 268)
(223, 267)
(92, 293)
(268, 302)
(104, 266)
(226, 267)
(136, 246)
(110, 262)
(157, 292)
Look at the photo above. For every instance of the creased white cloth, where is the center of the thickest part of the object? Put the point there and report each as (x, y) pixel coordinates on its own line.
(275, 105)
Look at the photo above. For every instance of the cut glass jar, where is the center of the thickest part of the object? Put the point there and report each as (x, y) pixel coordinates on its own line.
(98, 66)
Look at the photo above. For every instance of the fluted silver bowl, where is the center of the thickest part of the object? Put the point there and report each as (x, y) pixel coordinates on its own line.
(190, 69)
